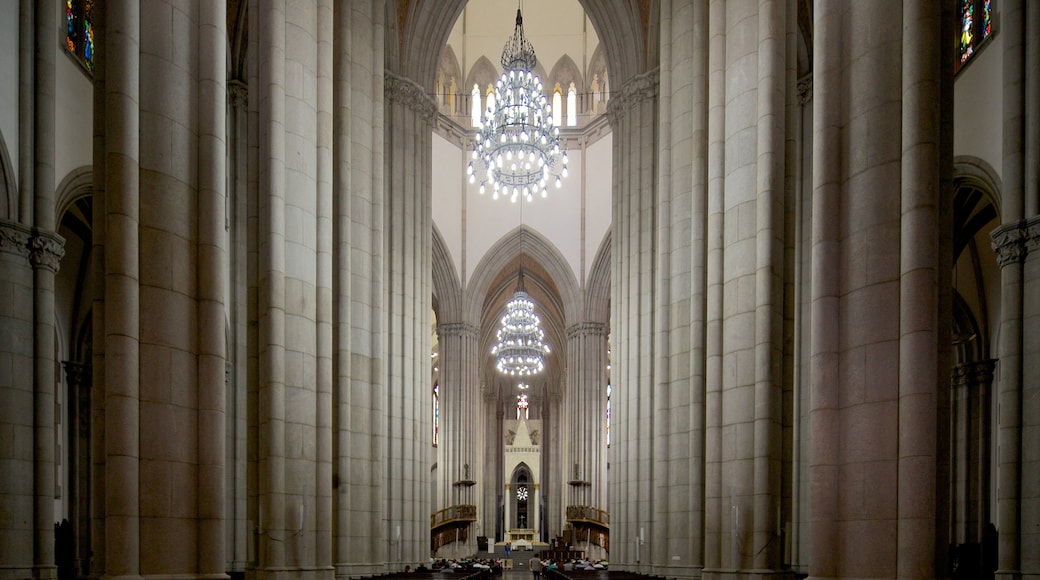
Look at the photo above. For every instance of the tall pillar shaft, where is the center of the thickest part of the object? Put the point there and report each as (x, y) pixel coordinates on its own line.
(410, 112)
(461, 465)
(45, 250)
(359, 392)
(878, 240)
(633, 116)
(682, 229)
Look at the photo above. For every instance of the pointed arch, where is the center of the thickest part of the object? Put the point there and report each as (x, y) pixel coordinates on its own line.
(482, 73)
(8, 185)
(77, 184)
(543, 253)
(565, 72)
(447, 289)
(626, 29)
(597, 289)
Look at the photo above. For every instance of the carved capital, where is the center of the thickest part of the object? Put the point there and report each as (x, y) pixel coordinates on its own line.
(461, 329)
(974, 373)
(238, 93)
(805, 90)
(642, 88)
(46, 250)
(78, 375)
(410, 94)
(1009, 243)
(1032, 234)
(14, 238)
(584, 329)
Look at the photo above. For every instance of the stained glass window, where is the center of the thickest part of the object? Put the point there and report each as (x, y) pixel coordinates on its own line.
(522, 410)
(79, 31)
(976, 25)
(557, 105)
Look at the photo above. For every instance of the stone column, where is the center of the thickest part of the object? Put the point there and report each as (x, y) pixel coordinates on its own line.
(120, 368)
(17, 524)
(78, 377)
(682, 227)
(584, 469)
(410, 113)
(45, 251)
(359, 391)
(970, 476)
(461, 439)
(878, 241)
(633, 117)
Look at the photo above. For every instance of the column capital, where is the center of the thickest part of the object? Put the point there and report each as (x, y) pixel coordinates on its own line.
(46, 250)
(1012, 242)
(463, 329)
(14, 238)
(638, 89)
(805, 89)
(583, 329)
(409, 93)
(238, 93)
(974, 373)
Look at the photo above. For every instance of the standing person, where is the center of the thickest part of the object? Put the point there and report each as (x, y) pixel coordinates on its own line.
(536, 566)
(507, 549)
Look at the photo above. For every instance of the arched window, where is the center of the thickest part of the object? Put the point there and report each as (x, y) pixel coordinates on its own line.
(490, 110)
(572, 106)
(976, 25)
(609, 393)
(79, 31)
(475, 110)
(557, 105)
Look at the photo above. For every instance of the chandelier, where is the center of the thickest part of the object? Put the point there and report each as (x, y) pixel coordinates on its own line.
(520, 346)
(517, 144)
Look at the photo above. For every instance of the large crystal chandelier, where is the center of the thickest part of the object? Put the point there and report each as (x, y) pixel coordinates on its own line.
(520, 346)
(518, 145)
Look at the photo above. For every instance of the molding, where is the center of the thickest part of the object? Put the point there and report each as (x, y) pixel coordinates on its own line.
(397, 89)
(640, 88)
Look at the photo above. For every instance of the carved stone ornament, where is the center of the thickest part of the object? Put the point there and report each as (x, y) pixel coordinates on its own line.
(461, 329)
(805, 90)
(46, 250)
(14, 238)
(238, 93)
(641, 88)
(410, 94)
(1032, 233)
(1009, 243)
(583, 329)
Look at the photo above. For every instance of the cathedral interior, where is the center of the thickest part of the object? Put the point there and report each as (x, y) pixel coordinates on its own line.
(786, 289)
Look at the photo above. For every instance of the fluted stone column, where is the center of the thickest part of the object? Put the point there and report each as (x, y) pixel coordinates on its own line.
(410, 113)
(295, 243)
(682, 229)
(164, 287)
(878, 241)
(584, 468)
(17, 524)
(359, 391)
(461, 465)
(633, 117)
(972, 439)
(45, 251)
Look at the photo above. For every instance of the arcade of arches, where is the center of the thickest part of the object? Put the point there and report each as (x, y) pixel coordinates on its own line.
(250, 297)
